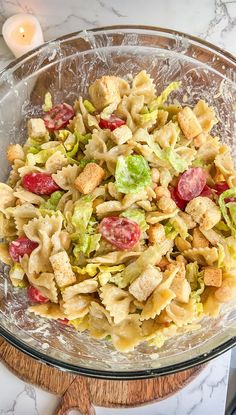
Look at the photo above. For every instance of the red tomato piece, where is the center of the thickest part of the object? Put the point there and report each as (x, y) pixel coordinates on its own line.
(35, 296)
(20, 247)
(191, 183)
(64, 321)
(177, 199)
(120, 232)
(58, 117)
(39, 183)
(112, 123)
(220, 187)
(206, 192)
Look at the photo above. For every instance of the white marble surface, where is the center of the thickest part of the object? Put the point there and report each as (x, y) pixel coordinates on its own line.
(214, 20)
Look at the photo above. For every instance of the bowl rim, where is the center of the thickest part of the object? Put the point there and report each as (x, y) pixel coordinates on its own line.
(109, 374)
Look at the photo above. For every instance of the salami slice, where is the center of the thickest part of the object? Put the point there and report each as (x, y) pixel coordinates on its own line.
(39, 183)
(120, 232)
(20, 247)
(206, 192)
(112, 123)
(220, 187)
(191, 183)
(58, 117)
(177, 199)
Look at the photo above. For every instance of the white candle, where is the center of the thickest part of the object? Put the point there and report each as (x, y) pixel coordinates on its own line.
(22, 33)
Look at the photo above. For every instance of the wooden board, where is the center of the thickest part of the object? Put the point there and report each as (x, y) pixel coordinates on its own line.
(78, 392)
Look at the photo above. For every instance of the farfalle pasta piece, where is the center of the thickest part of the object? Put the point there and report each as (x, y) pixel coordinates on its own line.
(224, 163)
(48, 310)
(152, 328)
(96, 146)
(116, 257)
(65, 177)
(115, 206)
(100, 321)
(85, 287)
(77, 306)
(56, 162)
(205, 115)
(26, 196)
(21, 215)
(167, 135)
(7, 226)
(45, 283)
(127, 334)
(181, 314)
(204, 211)
(158, 301)
(209, 150)
(116, 301)
(46, 232)
(156, 216)
(7, 197)
(14, 175)
(204, 256)
(129, 109)
(143, 85)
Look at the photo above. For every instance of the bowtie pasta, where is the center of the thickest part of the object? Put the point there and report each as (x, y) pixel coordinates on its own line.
(119, 214)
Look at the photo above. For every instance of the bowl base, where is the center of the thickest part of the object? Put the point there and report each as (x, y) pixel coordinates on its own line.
(106, 393)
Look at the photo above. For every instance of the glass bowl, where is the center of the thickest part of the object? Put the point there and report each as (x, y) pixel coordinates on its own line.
(65, 67)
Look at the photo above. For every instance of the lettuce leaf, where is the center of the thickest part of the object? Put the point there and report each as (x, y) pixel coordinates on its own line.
(177, 162)
(52, 202)
(89, 106)
(170, 231)
(47, 106)
(149, 116)
(42, 156)
(230, 218)
(192, 272)
(161, 99)
(90, 269)
(169, 155)
(132, 174)
(85, 239)
(138, 216)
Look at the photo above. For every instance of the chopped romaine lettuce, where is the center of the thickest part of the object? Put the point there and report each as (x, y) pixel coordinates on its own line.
(90, 269)
(177, 162)
(230, 218)
(138, 216)
(17, 272)
(62, 134)
(86, 244)
(170, 231)
(42, 156)
(89, 106)
(132, 174)
(159, 101)
(47, 106)
(52, 202)
(192, 272)
(104, 277)
(149, 116)
(82, 213)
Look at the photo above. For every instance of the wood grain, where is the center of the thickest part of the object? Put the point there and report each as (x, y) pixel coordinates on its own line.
(80, 392)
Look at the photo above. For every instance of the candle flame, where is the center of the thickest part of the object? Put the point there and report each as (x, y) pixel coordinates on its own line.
(21, 29)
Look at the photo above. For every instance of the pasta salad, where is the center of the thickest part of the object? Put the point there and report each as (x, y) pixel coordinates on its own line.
(119, 214)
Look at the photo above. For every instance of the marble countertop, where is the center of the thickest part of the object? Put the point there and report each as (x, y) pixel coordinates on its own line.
(214, 20)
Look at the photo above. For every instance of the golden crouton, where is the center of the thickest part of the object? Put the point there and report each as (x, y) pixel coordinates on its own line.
(189, 123)
(106, 90)
(166, 204)
(90, 178)
(146, 283)
(62, 269)
(199, 240)
(182, 244)
(212, 276)
(156, 233)
(15, 152)
(121, 134)
(36, 128)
